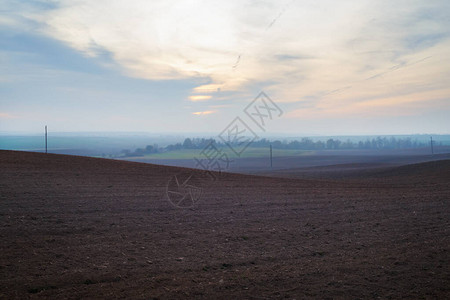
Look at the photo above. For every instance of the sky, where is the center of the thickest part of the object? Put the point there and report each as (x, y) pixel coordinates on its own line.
(351, 67)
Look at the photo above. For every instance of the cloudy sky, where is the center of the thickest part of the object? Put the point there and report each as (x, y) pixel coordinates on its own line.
(333, 67)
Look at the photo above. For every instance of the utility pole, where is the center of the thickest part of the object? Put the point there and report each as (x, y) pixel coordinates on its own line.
(431, 144)
(271, 156)
(45, 138)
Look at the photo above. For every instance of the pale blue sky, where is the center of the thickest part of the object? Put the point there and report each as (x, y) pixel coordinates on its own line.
(334, 67)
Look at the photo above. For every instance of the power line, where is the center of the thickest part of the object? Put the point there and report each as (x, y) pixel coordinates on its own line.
(45, 138)
(271, 156)
(431, 144)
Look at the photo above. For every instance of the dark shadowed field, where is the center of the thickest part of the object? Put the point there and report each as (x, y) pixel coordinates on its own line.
(78, 227)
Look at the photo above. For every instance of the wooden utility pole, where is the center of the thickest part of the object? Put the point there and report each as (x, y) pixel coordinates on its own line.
(45, 138)
(431, 144)
(271, 156)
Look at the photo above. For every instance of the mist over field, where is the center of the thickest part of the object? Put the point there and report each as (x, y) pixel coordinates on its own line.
(113, 144)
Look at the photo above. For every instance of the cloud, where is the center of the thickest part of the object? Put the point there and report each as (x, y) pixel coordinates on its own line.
(206, 112)
(7, 116)
(208, 88)
(196, 98)
(341, 54)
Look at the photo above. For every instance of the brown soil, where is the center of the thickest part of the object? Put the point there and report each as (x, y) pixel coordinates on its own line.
(78, 227)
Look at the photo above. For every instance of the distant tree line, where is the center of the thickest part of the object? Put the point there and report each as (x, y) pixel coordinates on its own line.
(374, 143)
(303, 144)
(149, 149)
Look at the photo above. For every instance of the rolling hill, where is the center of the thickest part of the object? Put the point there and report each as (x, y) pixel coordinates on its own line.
(79, 227)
